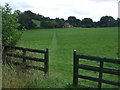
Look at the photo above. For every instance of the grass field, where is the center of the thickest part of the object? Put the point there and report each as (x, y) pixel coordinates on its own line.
(101, 42)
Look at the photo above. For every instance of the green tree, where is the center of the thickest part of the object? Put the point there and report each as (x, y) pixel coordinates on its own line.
(0, 27)
(107, 21)
(87, 22)
(25, 19)
(10, 34)
(73, 21)
(118, 22)
(59, 23)
(53, 23)
(47, 24)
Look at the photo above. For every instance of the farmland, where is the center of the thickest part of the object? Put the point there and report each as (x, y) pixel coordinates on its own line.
(101, 42)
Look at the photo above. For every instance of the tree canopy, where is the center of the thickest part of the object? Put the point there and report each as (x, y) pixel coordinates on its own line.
(74, 21)
(107, 21)
(87, 22)
(26, 19)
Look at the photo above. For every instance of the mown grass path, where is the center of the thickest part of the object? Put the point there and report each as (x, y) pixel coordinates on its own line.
(53, 45)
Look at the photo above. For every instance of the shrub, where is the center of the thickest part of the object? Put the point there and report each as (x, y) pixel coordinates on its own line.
(10, 34)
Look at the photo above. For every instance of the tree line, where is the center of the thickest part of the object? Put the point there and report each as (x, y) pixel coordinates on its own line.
(26, 21)
(11, 22)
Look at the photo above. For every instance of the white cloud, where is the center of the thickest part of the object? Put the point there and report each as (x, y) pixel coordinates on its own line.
(94, 9)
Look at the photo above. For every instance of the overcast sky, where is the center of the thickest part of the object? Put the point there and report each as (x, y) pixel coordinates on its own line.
(94, 9)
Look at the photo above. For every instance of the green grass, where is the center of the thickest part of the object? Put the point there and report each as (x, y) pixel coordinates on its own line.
(36, 22)
(101, 42)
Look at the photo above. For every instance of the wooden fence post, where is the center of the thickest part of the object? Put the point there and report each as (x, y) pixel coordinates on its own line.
(46, 65)
(100, 75)
(4, 55)
(75, 69)
(24, 53)
(5, 49)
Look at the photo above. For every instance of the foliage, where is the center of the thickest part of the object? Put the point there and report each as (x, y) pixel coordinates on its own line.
(87, 22)
(47, 24)
(118, 22)
(73, 21)
(107, 21)
(0, 25)
(26, 20)
(54, 23)
(10, 35)
(59, 22)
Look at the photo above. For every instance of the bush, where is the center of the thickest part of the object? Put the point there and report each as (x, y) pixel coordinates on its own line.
(10, 34)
